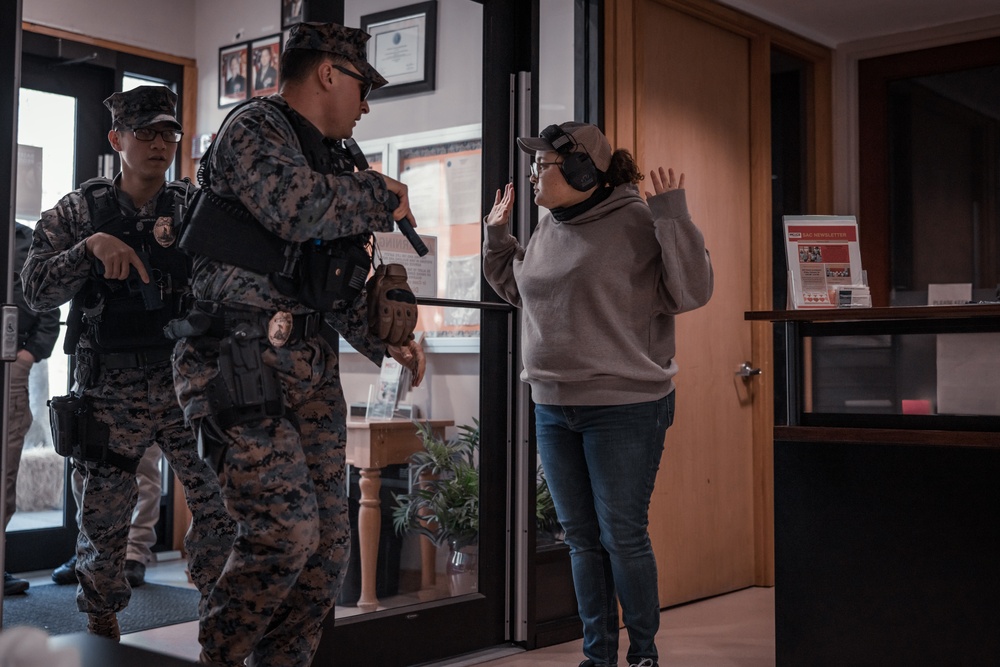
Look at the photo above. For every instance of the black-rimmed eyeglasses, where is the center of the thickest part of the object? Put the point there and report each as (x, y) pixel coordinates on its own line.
(366, 85)
(148, 134)
(538, 167)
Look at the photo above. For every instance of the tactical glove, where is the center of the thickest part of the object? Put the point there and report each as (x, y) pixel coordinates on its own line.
(392, 307)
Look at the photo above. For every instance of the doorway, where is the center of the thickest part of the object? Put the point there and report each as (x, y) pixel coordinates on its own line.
(61, 136)
(62, 141)
(928, 122)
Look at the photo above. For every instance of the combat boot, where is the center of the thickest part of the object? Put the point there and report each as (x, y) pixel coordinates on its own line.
(104, 625)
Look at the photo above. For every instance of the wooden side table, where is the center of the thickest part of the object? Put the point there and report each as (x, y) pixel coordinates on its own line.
(370, 447)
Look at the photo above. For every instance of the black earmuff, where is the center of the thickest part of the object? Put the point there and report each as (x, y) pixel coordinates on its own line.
(577, 168)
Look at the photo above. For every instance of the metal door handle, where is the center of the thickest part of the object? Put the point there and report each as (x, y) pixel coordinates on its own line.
(746, 370)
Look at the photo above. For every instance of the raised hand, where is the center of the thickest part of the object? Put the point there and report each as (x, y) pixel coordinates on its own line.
(500, 214)
(664, 181)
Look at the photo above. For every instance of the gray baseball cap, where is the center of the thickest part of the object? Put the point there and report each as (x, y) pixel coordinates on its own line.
(585, 138)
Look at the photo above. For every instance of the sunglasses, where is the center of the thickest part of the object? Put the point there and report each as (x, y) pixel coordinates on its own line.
(366, 85)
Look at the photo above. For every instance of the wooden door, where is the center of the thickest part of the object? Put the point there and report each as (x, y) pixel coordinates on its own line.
(687, 86)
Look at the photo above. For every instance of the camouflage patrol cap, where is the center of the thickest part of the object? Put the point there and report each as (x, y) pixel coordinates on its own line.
(143, 106)
(348, 43)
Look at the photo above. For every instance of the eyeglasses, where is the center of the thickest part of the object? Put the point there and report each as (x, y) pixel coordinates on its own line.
(366, 85)
(536, 167)
(148, 134)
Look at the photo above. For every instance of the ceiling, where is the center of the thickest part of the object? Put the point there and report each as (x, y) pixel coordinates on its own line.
(834, 22)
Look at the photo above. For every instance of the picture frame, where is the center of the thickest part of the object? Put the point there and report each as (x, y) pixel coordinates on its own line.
(292, 12)
(403, 48)
(234, 86)
(265, 65)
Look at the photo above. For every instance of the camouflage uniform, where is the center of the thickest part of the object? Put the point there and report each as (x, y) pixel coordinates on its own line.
(137, 403)
(283, 478)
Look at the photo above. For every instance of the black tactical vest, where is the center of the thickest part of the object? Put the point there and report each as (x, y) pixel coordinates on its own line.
(129, 315)
(317, 273)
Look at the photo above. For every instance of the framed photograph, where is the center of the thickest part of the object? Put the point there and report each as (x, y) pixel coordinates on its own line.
(234, 86)
(402, 48)
(292, 12)
(264, 65)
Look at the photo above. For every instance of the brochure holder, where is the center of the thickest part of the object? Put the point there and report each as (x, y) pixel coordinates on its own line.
(824, 262)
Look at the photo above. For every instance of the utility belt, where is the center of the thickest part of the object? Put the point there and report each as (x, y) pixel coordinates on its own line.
(245, 389)
(77, 433)
(219, 320)
(124, 360)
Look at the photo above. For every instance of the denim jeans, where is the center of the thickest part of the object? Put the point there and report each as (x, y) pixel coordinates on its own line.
(601, 463)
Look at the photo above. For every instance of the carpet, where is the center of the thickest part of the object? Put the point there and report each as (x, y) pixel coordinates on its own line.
(53, 608)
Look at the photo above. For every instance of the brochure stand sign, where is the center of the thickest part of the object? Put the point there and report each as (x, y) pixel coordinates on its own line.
(824, 262)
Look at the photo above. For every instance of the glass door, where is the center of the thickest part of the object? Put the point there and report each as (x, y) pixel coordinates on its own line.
(62, 131)
(435, 580)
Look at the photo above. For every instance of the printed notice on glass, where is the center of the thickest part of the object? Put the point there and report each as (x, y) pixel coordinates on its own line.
(823, 256)
(421, 272)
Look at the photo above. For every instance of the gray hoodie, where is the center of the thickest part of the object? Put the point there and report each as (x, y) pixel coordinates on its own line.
(598, 295)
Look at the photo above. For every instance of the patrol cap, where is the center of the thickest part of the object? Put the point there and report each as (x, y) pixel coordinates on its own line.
(143, 106)
(584, 137)
(348, 43)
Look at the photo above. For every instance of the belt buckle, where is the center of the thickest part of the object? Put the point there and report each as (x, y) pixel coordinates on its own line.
(279, 328)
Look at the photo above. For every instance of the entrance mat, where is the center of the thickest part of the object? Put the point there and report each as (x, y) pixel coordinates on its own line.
(53, 608)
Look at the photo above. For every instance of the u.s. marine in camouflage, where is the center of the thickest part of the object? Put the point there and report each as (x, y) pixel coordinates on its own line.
(104, 248)
(254, 376)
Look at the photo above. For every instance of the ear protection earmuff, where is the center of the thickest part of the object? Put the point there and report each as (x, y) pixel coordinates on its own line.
(578, 169)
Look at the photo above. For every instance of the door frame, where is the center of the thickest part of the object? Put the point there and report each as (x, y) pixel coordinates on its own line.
(117, 58)
(621, 130)
(187, 95)
(873, 77)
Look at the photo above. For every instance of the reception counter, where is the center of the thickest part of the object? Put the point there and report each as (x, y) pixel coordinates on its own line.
(886, 509)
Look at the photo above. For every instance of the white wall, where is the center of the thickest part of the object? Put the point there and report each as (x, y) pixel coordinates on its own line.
(161, 26)
(220, 23)
(457, 99)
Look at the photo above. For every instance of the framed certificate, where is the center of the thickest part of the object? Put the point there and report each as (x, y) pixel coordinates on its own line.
(402, 48)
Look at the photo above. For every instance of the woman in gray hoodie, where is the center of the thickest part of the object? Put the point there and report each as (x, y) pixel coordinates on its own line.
(599, 284)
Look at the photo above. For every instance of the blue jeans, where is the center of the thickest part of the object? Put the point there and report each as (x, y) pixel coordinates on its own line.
(601, 463)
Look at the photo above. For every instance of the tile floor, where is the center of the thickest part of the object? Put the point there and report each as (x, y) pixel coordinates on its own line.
(733, 630)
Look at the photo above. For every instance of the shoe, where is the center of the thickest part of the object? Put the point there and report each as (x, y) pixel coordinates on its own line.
(645, 662)
(65, 574)
(135, 573)
(104, 625)
(14, 586)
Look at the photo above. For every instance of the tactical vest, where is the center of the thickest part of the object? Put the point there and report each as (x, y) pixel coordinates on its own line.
(129, 315)
(317, 273)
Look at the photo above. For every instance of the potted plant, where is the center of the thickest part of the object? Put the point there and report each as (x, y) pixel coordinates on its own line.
(444, 504)
(546, 521)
